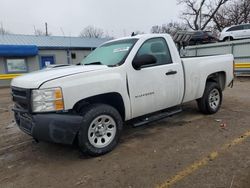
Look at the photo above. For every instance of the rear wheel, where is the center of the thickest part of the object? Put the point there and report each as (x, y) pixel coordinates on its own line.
(211, 100)
(101, 129)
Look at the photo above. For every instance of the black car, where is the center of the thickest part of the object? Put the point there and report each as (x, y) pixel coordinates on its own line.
(202, 37)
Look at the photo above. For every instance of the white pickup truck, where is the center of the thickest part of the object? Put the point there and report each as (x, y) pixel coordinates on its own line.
(137, 79)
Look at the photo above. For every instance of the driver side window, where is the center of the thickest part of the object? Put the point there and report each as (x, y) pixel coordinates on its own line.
(159, 49)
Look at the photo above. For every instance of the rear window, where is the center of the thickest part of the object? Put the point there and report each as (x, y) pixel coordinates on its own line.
(198, 33)
(247, 26)
(209, 33)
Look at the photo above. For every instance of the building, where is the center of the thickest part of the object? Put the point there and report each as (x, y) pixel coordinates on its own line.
(21, 54)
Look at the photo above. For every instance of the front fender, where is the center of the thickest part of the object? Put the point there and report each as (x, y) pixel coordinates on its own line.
(78, 87)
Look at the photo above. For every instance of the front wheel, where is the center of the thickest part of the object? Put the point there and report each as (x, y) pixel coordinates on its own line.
(228, 39)
(101, 129)
(211, 100)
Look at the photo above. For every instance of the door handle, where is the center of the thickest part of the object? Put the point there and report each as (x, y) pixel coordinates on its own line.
(171, 73)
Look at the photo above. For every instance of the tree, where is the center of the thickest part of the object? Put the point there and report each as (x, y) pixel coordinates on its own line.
(199, 14)
(4, 31)
(169, 28)
(156, 29)
(92, 32)
(234, 13)
(39, 32)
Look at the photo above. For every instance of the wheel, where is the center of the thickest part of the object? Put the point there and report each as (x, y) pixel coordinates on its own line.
(228, 39)
(211, 100)
(101, 129)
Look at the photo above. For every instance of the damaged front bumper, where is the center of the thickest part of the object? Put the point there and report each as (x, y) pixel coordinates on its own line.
(52, 127)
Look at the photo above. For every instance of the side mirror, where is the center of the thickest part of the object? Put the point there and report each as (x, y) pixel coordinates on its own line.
(142, 60)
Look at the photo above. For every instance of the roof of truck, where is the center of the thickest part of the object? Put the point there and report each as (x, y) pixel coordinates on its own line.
(140, 36)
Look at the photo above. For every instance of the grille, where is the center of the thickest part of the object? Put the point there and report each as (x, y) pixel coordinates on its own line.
(21, 98)
(19, 92)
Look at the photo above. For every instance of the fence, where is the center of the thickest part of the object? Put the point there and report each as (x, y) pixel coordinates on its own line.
(240, 49)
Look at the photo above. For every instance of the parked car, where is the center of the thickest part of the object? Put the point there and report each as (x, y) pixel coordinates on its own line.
(202, 37)
(235, 32)
(137, 79)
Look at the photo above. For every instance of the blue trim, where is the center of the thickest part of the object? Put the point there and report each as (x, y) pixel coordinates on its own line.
(65, 48)
(18, 50)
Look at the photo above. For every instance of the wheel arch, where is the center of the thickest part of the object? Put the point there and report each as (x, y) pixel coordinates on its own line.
(113, 99)
(218, 77)
(228, 37)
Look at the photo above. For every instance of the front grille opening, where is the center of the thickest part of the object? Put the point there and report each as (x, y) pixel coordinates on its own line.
(21, 98)
(21, 93)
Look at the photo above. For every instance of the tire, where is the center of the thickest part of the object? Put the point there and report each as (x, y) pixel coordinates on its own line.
(227, 39)
(100, 131)
(211, 100)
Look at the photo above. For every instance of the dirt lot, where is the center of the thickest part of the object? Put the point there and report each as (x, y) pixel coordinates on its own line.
(187, 150)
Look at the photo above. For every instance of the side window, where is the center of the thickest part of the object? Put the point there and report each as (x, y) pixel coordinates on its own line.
(231, 29)
(236, 28)
(158, 48)
(240, 27)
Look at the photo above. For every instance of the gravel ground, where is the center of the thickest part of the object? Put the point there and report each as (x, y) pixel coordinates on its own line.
(163, 153)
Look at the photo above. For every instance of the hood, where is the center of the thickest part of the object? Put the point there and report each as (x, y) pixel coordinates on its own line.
(36, 79)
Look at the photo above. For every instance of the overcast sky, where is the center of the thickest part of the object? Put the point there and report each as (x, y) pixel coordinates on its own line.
(116, 17)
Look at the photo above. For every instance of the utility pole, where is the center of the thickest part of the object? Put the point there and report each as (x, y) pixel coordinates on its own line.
(35, 33)
(200, 17)
(46, 29)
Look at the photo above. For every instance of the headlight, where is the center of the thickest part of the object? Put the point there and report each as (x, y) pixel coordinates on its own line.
(47, 100)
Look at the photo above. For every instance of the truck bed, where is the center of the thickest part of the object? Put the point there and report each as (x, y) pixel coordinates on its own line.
(197, 69)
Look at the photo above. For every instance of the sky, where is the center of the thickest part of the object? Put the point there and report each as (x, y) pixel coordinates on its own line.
(117, 18)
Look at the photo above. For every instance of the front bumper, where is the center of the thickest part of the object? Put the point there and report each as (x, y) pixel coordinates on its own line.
(57, 128)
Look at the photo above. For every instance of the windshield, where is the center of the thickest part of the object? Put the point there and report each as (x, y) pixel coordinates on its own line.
(110, 54)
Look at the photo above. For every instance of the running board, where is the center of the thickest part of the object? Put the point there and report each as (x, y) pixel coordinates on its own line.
(156, 117)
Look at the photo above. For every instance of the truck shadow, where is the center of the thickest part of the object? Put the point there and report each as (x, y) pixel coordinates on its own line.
(190, 113)
(42, 150)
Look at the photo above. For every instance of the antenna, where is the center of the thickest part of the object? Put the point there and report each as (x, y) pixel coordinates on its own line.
(2, 29)
(62, 31)
(46, 28)
(69, 50)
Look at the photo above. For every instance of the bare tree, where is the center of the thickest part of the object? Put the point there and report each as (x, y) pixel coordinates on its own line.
(245, 11)
(200, 13)
(92, 32)
(234, 13)
(39, 32)
(169, 28)
(156, 29)
(4, 31)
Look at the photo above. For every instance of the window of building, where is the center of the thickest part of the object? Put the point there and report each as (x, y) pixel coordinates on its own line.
(16, 65)
(73, 55)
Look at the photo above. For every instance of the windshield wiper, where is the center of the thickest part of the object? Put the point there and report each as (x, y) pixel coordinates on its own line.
(94, 63)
